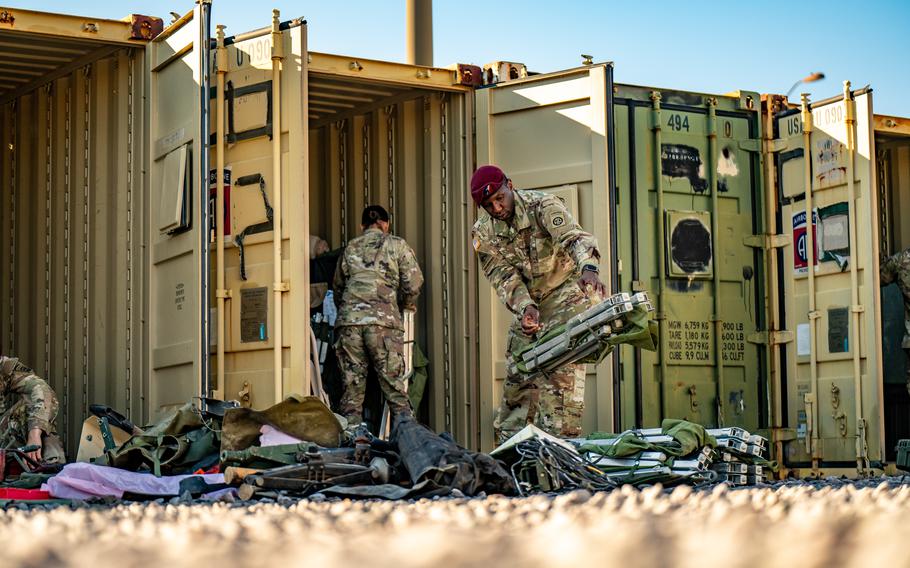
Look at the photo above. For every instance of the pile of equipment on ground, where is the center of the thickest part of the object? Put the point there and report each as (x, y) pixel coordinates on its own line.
(679, 452)
(215, 450)
(212, 449)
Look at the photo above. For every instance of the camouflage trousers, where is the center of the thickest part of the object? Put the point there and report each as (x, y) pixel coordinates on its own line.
(555, 402)
(360, 347)
(14, 433)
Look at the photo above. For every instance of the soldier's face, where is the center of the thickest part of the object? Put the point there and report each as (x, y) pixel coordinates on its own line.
(501, 205)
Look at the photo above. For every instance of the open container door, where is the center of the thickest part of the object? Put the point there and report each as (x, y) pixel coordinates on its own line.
(177, 211)
(263, 275)
(830, 288)
(552, 133)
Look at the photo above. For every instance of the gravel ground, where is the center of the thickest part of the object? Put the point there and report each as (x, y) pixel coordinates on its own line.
(823, 523)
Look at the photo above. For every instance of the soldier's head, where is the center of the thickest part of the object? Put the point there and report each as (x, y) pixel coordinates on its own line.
(375, 217)
(492, 190)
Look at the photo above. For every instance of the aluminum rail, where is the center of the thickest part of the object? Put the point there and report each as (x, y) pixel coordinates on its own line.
(278, 285)
(862, 458)
(220, 293)
(812, 398)
(661, 316)
(715, 232)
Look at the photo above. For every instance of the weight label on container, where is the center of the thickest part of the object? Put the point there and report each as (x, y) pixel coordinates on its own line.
(689, 342)
(254, 313)
(179, 295)
(733, 341)
(838, 330)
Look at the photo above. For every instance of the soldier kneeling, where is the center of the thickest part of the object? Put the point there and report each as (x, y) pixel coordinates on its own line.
(28, 408)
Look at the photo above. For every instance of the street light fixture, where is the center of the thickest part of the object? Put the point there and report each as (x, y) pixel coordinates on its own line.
(811, 78)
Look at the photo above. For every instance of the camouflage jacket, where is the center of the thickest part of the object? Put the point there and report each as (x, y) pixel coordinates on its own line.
(376, 278)
(18, 382)
(896, 269)
(540, 249)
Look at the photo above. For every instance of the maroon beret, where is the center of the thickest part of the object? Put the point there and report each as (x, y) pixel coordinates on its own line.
(485, 182)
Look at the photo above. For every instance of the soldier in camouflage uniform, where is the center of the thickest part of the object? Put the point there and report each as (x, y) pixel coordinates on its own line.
(377, 277)
(28, 408)
(896, 269)
(544, 268)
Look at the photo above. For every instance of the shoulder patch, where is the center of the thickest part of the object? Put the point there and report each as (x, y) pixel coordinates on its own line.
(558, 220)
(476, 243)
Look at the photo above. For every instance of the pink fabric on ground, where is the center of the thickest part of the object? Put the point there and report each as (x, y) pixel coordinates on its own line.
(85, 480)
(274, 437)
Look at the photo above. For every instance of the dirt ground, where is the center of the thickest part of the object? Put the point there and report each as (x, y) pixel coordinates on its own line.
(806, 524)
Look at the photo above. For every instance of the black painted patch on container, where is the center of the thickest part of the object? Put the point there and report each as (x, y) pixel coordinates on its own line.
(690, 246)
(685, 285)
(838, 330)
(682, 161)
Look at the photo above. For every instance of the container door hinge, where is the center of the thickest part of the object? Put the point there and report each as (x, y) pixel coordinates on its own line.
(770, 338)
(225, 293)
(767, 241)
(281, 287)
(751, 145)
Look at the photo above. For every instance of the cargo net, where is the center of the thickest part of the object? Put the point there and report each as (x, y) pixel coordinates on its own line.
(679, 452)
(590, 336)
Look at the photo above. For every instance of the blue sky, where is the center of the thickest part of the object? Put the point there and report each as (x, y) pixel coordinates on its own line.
(695, 45)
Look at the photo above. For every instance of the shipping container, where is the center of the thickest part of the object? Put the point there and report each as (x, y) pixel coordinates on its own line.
(73, 128)
(839, 389)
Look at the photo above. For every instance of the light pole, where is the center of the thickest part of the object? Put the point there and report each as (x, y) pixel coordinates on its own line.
(811, 78)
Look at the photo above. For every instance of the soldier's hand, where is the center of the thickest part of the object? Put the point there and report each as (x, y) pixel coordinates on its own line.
(34, 439)
(590, 280)
(530, 321)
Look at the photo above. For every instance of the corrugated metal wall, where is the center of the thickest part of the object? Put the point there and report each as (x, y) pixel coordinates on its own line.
(71, 249)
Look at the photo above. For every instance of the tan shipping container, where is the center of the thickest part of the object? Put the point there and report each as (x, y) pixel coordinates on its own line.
(73, 248)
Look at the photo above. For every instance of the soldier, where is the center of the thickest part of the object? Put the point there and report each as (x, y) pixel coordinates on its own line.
(896, 269)
(544, 268)
(28, 408)
(377, 277)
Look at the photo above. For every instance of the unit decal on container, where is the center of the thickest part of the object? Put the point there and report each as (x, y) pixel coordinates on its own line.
(831, 228)
(682, 161)
(800, 242)
(213, 174)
